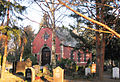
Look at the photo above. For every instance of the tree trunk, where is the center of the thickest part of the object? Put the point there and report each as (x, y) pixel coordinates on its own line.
(53, 36)
(98, 55)
(53, 50)
(5, 50)
(102, 56)
(102, 43)
(22, 53)
(98, 46)
(4, 60)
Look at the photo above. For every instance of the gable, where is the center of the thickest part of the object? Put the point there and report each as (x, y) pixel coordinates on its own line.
(44, 38)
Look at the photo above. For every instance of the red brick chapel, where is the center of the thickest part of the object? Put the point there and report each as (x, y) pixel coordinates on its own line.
(42, 47)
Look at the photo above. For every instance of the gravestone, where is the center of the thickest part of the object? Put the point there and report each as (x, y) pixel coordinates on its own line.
(87, 71)
(45, 68)
(58, 74)
(20, 67)
(93, 69)
(8, 65)
(46, 71)
(115, 72)
(30, 74)
(37, 69)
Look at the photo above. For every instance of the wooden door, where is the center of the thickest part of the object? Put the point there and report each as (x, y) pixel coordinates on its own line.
(46, 56)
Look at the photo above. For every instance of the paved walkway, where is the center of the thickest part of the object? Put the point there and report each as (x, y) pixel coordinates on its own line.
(106, 78)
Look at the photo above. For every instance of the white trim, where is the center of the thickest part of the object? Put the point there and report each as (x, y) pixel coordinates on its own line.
(83, 62)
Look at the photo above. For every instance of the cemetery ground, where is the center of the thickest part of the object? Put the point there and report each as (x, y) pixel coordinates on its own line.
(107, 77)
(25, 72)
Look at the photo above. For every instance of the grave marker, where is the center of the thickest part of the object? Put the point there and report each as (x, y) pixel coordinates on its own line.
(93, 69)
(58, 74)
(20, 67)
(37, 69)
(87, 71)
(115, 72)
(45, 68)
(30, 74)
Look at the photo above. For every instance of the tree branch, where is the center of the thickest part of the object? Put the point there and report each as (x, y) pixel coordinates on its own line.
(92, 20)
(97, 30)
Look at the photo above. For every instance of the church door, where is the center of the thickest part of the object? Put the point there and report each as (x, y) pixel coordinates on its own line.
(46, 56)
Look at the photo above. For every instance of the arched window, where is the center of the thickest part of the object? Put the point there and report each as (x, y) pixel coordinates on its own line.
(46, 36)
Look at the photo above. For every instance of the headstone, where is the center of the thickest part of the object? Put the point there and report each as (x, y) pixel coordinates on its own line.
(46, 71)
(37, 69)
(115, 72)
(45, 68)
(9, 66)
(93, 69)
(20, 67)
(30, 74)
(87, 71)
(58, 74)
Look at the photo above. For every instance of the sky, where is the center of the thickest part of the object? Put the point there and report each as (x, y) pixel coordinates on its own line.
(34, 14)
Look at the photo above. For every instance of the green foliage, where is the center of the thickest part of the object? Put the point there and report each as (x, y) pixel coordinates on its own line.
(85, 42)
(27, 48)
(14, 7)
(68, 65)
(81, 71)
(10, 58)
(32, 58)
(89, 62)
(113, 49)
(107, 14)
(10, 32)
(2, 9)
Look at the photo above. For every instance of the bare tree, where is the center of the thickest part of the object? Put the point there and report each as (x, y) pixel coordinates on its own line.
(51, 17)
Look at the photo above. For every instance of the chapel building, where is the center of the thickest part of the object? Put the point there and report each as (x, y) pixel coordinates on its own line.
(42, 47)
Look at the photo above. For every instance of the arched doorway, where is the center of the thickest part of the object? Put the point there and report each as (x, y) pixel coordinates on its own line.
(46, 56)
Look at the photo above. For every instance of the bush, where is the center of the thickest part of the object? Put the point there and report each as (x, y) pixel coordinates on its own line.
(68, 65)
(32, 58)
(81, 71)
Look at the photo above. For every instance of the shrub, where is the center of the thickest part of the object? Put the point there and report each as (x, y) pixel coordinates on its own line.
(68, 65)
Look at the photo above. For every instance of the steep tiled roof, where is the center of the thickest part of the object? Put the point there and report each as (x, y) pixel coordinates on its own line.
(65, 36)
